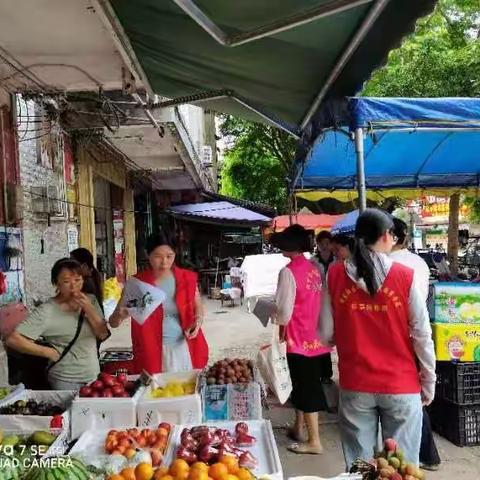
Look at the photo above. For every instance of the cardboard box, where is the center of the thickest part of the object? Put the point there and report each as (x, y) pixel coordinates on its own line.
(459, 342)
(175, 410)
(232, 402)
(455, 303)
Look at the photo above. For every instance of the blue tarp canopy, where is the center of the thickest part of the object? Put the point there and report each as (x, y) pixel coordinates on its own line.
(219, 212)
(410, 145)
(346, 224)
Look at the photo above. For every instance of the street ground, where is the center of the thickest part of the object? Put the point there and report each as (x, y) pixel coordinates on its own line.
(233, 332)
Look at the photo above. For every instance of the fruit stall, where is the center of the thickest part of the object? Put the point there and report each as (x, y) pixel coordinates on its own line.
(9, 392)
(455, 315)
(157, 427)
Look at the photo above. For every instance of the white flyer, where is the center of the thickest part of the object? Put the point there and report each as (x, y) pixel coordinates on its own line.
(141, 299)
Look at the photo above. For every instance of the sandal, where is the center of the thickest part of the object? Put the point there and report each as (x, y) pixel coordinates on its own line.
(292, 435)
(305, 449)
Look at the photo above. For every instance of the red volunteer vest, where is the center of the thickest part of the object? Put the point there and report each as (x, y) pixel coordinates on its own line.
(147, 338)
(375, 352)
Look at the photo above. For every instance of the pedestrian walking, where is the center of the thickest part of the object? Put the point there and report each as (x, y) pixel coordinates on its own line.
(378, 320)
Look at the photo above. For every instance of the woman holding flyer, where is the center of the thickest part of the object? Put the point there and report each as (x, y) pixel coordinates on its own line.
(170, 339)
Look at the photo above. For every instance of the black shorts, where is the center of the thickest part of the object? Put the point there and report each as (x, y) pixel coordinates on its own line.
(307, 373)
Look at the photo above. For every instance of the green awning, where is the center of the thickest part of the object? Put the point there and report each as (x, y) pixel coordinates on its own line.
(225, 54)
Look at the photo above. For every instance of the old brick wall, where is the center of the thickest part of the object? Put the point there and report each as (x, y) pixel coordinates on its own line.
(38, 260)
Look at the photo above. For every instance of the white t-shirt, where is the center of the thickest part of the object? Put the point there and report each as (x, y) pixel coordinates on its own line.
(419, 267)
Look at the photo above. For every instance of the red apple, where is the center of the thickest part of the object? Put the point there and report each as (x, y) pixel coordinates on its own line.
(97, 385)
(95, 394)
(86, 391)
(107, 379)
(125, 395)
(107, 393)
(122, 378)
(118, 390)
(390, 445)
(129, 386)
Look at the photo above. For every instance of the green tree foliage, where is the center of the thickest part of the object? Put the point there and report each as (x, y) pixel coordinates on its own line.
(442, 58)
(257, 163)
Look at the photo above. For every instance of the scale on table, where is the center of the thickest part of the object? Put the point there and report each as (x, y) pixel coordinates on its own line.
(116, 355)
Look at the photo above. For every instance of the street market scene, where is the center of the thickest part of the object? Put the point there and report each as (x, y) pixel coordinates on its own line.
(240, 240)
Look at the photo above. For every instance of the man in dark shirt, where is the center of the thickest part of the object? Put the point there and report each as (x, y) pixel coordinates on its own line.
(324, 249)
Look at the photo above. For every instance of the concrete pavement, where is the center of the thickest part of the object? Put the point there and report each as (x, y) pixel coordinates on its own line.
(233, 332)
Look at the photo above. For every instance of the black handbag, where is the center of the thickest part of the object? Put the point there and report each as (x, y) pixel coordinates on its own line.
(31, 370)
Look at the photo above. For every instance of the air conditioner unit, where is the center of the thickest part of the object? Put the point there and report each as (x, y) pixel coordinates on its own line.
(207, 156)
(14, 203)
(46, 199)
(55, 204)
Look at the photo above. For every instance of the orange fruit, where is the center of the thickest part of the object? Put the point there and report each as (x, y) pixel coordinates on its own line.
(200, 466)
(167, 477)
(128, 473)
(231, 463)
(182, 476)
(244, 474)
(229, 477)
(179, 468)
(217, 471)
(160, 472)
(130, 453)
(197, 474)
(144, 471)
(115, 477)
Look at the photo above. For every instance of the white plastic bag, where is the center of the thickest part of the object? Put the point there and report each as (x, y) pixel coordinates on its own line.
(273, 366)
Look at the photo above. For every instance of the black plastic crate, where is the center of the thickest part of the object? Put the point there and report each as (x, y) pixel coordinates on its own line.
(460, 424)
(459, 382)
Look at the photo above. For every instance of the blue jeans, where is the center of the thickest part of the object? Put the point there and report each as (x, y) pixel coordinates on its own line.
(400, 418)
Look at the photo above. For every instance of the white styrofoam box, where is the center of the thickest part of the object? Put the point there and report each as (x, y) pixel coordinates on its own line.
(342, 476)
(14, 392)
(265, 449)
(90, 449)
(184, 409)
(58, 447)
(62, 398)
(103, 413)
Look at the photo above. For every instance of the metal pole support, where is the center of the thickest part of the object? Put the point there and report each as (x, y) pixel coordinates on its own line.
(362, 194)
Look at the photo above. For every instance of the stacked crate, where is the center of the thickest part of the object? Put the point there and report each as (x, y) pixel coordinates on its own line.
(455, 313)
(455, 412)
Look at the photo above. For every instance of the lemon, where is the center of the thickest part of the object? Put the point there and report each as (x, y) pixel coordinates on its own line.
(189, 388)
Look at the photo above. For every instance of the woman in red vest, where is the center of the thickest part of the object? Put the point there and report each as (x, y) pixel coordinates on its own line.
(378, 320)
(171, 339)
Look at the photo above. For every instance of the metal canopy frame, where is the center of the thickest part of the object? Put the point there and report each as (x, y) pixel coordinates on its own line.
(110, 20)
(327, 9)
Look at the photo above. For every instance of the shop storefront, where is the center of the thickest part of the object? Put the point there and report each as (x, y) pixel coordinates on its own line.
(106, 213)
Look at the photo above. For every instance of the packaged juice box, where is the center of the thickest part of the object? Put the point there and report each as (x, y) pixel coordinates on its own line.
(458, 341)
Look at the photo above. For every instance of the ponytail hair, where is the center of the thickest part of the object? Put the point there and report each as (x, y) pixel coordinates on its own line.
(371, 225)
(365, 266)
